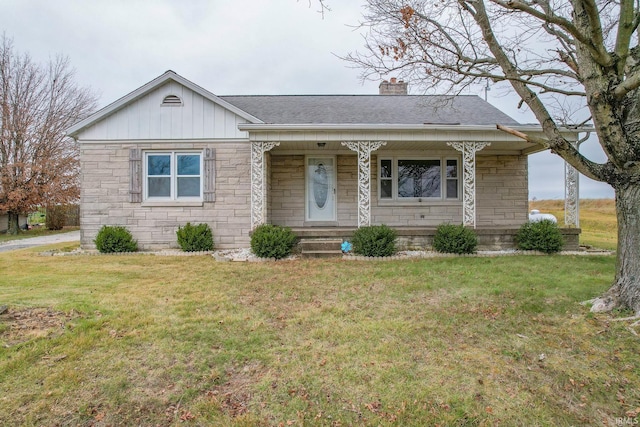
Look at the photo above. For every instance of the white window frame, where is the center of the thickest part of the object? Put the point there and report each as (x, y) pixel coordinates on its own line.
(443, 179)
(173, 197)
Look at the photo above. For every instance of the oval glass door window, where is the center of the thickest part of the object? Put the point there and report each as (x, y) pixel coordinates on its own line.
(320, 186)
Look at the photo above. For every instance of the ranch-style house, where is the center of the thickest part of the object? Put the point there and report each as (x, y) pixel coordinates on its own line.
(171, 152)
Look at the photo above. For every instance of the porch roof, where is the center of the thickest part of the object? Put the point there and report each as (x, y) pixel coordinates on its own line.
(405, 122)
(329, 137)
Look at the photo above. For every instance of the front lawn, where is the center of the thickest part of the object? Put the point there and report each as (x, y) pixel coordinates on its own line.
(153, 340)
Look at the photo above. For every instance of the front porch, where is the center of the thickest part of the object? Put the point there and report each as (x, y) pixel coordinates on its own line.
(481, 182)
(420, 238)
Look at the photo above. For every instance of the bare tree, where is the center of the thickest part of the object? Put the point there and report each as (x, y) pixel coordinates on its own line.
(322, 4)
(565, 59)
(38, 162)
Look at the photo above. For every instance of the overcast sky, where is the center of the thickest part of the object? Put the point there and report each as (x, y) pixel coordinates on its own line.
(229, 47)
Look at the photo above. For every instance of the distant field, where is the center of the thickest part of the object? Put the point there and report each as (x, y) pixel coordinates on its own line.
(597, 220)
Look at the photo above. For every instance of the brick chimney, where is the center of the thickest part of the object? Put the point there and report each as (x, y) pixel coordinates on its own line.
(393, 87)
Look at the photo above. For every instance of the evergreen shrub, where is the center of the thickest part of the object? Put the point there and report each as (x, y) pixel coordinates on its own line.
(272, 241)
(543, 236)
(455, 239)
(374, 241)
(111, 239)
(195, 238)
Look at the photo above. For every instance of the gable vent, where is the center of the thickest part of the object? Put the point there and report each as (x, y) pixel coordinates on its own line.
(172, 101)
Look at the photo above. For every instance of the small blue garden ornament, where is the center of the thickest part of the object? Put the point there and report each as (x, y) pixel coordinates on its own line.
(346, 247)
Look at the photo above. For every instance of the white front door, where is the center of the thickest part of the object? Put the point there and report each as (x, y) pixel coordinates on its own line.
(321, 189)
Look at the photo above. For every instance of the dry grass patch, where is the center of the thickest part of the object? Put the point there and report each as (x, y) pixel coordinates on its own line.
(19, 325)
(188, 341)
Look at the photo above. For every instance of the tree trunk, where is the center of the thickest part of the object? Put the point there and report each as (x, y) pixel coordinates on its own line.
(627, 284)
(13, 227)
(625, 291)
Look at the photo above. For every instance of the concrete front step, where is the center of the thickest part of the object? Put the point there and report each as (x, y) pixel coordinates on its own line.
(321, 248)
(322, 254)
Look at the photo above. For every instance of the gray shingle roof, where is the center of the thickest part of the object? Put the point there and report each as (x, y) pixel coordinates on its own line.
(371, 109)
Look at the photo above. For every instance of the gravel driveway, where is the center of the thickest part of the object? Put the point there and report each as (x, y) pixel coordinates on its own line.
(12, 245)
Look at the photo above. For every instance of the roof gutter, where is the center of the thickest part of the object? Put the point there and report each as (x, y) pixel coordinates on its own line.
(249, 127)
(275, 127)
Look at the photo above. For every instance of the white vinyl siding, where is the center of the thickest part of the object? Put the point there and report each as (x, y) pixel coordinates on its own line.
(147, 118)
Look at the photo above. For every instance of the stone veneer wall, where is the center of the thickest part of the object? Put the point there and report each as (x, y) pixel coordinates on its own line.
(287, 190)
(501, 195)
(489, 239)
(502, 190)
(105, 197)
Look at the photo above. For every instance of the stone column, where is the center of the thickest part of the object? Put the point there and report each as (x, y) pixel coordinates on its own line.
(364, 150)
(258, 181)
(468, 150)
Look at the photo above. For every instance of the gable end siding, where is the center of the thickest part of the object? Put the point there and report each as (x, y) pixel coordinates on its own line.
(146, 119)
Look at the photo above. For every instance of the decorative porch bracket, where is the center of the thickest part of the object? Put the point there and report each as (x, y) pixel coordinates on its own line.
(571, 195)
(364, 150)
(258, 181)
(468, 150)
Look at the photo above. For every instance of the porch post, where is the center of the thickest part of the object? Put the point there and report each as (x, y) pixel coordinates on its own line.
(258, 180)
(571, 195)
(469, 150)
(364, 150)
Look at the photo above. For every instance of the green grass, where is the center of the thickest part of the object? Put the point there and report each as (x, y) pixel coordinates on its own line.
(152, 340)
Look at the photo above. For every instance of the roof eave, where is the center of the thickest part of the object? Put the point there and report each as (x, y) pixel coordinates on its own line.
(277, 127)
(280, 127)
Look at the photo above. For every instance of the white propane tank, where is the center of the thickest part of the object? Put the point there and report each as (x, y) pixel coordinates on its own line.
(535, 216)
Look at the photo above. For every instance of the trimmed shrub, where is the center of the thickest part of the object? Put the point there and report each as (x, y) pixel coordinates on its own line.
(455, 239)
(55, 217)
(543, 236)
(195, 238)
(374, 241)
(272, 241)
(59, 216)
(111, 239)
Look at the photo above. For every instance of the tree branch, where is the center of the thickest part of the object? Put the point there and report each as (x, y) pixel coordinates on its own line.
(569, 153)
(625, 31)
(523, 136)
(597, 49)
(630, 83)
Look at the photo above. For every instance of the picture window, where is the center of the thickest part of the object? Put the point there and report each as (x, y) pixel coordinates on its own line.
(434, 178)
